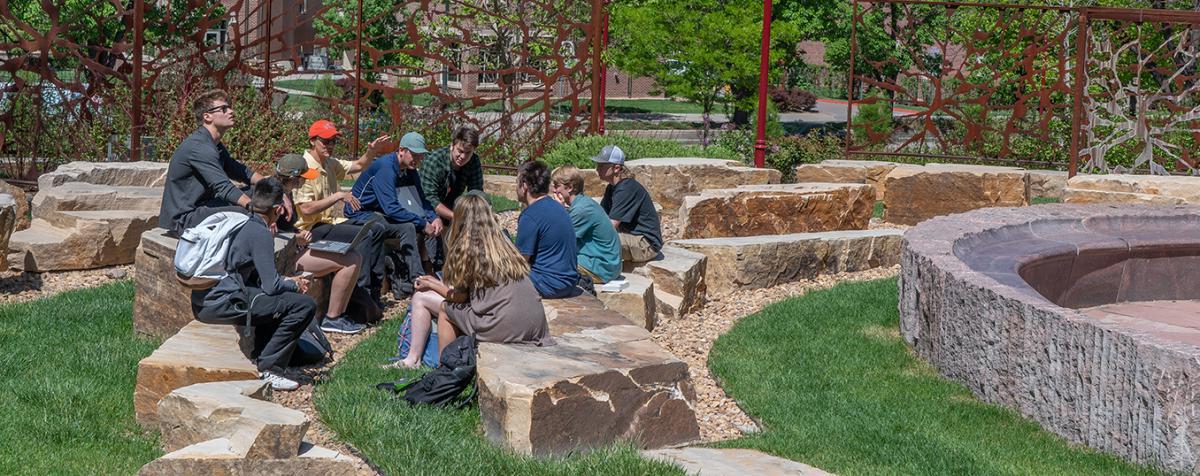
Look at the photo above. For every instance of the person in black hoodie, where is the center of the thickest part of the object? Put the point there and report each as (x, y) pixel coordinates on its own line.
(256, 294)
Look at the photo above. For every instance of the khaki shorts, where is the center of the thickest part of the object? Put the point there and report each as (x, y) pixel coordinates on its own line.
(635, 248)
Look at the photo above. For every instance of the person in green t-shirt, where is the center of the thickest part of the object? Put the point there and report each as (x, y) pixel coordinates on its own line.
(598, 243)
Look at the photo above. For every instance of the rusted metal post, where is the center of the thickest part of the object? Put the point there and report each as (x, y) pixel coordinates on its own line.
(603, 69)
(760, 142)
(597, 74)
(357, 77)
(267, 57)
(1081, 46)
(850, 79)
(135, 127)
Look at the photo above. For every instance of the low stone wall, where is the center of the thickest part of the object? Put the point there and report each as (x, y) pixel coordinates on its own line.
(967, 306)
(1042, 183)
(754, 262)
(604, 381)
(1133, 189)
(161, 305)
(776, 210)
(117, 174)
(668, 180)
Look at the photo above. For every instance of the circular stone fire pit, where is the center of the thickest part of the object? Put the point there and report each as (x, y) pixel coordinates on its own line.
(1081, 317)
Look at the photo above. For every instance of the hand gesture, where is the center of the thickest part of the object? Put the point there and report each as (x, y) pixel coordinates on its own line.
(558, 198)
(301, 283)
(381, 145)
(435, 227)
(350, 200)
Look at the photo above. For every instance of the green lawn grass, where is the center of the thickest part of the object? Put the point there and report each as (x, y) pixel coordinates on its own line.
(503, 204)
(401, 439)
(1041, 200)
(835, 387)
(67, 373)
(878, 209)
(663, 106)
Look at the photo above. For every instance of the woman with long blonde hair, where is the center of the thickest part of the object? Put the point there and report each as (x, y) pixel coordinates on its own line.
(486, 292)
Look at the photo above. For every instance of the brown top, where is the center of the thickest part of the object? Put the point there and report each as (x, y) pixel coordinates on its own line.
(510, 313)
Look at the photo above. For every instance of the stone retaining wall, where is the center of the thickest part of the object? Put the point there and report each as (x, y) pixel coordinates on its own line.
(1133, 189)
(967, 309)
(776, 209)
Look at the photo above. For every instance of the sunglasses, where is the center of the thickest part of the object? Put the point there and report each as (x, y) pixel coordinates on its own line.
(328, 142)
(223, 108)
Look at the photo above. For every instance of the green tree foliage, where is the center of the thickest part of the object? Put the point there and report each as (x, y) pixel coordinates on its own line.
(704, 51)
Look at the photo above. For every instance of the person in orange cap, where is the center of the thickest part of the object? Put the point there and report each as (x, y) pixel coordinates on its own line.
(321, 191)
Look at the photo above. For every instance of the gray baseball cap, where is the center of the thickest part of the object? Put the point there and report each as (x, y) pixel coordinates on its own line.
(610, 154)
(414, 142)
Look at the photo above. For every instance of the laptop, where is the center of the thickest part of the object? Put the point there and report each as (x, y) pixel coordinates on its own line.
(341, 247)
(407, 196)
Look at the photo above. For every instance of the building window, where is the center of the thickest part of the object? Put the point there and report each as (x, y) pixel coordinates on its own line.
(217, 36)
(454, 56)
(489, 61)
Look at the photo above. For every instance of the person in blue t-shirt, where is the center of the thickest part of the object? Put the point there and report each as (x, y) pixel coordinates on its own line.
(595, 238)
(545, 235)
(391, 187)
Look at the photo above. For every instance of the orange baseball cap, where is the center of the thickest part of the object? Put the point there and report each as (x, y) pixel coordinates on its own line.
(323, 129)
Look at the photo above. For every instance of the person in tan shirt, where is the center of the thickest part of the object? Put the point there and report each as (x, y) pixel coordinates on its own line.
(315, 201)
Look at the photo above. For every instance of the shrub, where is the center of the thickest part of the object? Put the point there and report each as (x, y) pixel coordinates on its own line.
(793, 99)
(785, 153)
(873, 123)
(579, 150)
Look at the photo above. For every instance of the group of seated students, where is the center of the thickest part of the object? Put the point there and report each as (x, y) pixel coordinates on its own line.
(426, 209)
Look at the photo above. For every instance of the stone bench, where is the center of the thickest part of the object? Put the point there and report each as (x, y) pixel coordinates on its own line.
(1133, 189)
(1042, 183)
(199, 353)
(915, 194)
(736, 264)
(232, 428)
(776, 209)
(637, 302)
(161, 305)
(604, 381)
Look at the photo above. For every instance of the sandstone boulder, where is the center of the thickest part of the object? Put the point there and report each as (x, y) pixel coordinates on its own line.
(120, 174)
(8, 221)
(22, 201)
(501, 186)
(82, 196)
(668, 180)
(219, 457)
(80, 240)
(1047, 183)
(679, 285)
(604, 381)
(1133, 189)
(915, 194)
(635, 302)
(736, 264)
(870, 172)
(199, 353)
(162, 306)
(237, 410)
(776, 209)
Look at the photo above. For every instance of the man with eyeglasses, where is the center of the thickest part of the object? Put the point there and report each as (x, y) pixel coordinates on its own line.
(322, 190)
(199, 177)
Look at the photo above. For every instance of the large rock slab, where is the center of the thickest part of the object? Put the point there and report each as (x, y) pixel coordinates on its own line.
(237, 410)
(1047, 183)
(731, 462)
(61, 241)
(776, 209)
(501, 186)
(199, 353)
(8, 221)
(120, 174)
(870, 172)
(22, 200)
(668, 180)
(604, 381)
(635, 302)
(679, 274)
(736, 264)
(161, 305)
(219, 457)
(82, 196)
(915, 194)
(1133, 189)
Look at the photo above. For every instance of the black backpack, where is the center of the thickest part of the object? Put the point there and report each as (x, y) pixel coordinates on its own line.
(442, 386)
(313, 346)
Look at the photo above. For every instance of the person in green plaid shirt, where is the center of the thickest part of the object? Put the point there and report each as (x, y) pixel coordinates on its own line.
(447, 174)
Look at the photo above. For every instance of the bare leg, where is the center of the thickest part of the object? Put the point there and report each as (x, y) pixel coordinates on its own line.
(345, 268)
(424, 304)
(446, 331)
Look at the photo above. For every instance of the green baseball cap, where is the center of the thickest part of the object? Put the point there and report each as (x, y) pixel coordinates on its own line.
(414, 142)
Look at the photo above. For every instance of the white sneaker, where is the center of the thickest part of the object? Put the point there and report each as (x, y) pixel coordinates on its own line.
(279, 382)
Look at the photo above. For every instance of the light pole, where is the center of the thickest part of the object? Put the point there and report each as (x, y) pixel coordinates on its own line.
(760, 143)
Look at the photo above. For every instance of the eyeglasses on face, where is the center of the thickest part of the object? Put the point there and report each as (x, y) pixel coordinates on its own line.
(328, 142)
(223, 108)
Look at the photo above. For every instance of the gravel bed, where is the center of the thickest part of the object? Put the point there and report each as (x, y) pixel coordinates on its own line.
(691, 337)
(19, 286)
